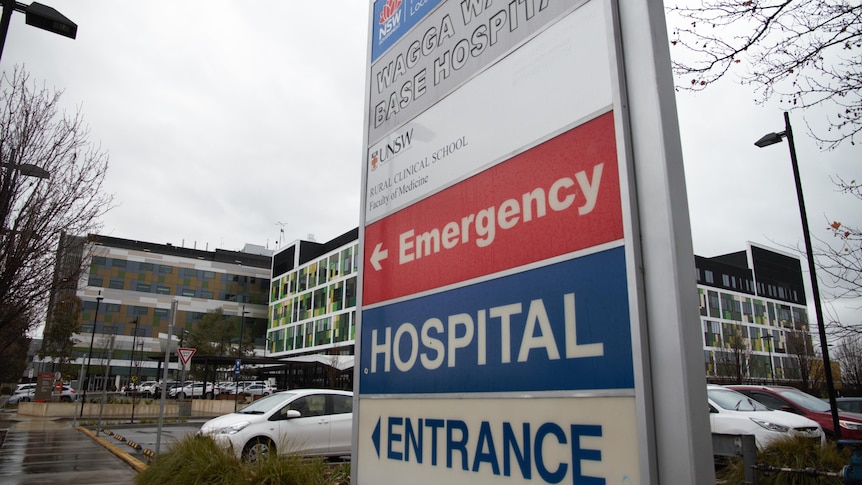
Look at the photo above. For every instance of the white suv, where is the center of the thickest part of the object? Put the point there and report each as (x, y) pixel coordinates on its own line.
(193, 390)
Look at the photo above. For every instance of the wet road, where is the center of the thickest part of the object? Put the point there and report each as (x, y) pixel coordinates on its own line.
(49, 451)
(46, 452)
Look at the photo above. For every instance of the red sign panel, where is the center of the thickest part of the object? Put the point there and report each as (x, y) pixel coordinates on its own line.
(559, 197)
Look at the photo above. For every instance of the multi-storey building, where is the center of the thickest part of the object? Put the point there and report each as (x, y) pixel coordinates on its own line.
(313, 302)
(753, 315)
(128, 291)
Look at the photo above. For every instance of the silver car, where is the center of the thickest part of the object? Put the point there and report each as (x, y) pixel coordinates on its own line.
(304, 421)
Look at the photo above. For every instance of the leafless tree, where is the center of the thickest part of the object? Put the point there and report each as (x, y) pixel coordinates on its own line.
(732, 363)
(51, 186)
(803, 52)
(849, 354)
(839, 264)
(58, 339)
(800, 351)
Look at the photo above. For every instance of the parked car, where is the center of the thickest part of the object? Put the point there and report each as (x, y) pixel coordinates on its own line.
(258, 390)
(795, 401)
(306, 421)
(193, 390)
(148, 388)
(157, 388)
(24, 387)
(731, 412)
(849, 404)
(29, 394)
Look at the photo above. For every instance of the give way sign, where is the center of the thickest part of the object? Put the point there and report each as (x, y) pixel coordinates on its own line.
(186, 354)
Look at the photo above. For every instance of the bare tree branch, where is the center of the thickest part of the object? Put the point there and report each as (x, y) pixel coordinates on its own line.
(804, 52)
(50, 187)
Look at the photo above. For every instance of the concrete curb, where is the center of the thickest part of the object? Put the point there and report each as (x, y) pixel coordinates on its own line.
(131, 461)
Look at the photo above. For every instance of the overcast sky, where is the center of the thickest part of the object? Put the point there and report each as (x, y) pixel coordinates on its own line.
(226, 121)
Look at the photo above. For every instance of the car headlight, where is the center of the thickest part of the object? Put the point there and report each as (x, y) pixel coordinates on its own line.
(770, 426)
(232, 429)
(851, 425)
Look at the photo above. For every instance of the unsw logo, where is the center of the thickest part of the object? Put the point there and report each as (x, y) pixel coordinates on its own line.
(390, 19)
(392, 148)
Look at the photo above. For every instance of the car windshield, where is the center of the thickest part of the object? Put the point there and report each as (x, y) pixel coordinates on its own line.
(266, 404)
(734, 401)
(804, 400)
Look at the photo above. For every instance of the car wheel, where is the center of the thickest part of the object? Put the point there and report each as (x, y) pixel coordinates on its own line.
(210, 396)
(65, 398)
(266, 394)
(257, 449)
(181, 395)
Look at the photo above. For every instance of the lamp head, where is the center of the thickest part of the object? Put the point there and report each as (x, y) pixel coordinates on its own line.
(770, 139)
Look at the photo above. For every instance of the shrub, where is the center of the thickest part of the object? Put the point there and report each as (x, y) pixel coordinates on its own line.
(196, 459)
(796, 454)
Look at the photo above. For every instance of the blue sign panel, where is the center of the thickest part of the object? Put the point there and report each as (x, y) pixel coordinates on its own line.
(564, 326)
(392, 19)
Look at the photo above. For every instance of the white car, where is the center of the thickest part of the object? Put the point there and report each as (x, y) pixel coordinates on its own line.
(193, 390)
(305, 421)
(29, 394)
(258, 390)
(731, 412)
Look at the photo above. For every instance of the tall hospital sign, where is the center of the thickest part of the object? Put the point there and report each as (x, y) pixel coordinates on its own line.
(527, 257)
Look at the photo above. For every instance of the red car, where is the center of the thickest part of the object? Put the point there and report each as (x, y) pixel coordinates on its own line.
(793, 400)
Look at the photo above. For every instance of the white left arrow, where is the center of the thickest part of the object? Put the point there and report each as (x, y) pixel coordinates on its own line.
(378, 255)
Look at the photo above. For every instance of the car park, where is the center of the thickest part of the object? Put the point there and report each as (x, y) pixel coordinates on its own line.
(793, 400)
(304, 421)
(731, 412)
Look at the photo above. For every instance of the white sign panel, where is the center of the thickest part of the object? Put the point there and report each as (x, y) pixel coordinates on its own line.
(508, 441)
(533, 92)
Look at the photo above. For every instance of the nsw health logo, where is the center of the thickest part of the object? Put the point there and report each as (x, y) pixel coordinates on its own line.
(390, 19)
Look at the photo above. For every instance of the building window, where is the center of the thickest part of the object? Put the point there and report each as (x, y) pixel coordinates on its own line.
(714, 308)
(116, 284)
(188, 292)
(142, 287)
(207, 294)
(208, 275)
(166, 269)
(161, 312)
(350, 292)
(163, 290)
(312, 275)
(341, 328)
(140, 310)
(100, 261)
(709, 277)
(189, 272)
(96, 281)
(336, 296)
(118, 263)
(320, 302)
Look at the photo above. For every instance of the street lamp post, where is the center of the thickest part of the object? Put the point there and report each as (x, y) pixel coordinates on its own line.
(37, 15)
(133, 383)
(238, 359)
(90, 353)
(771, 139)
